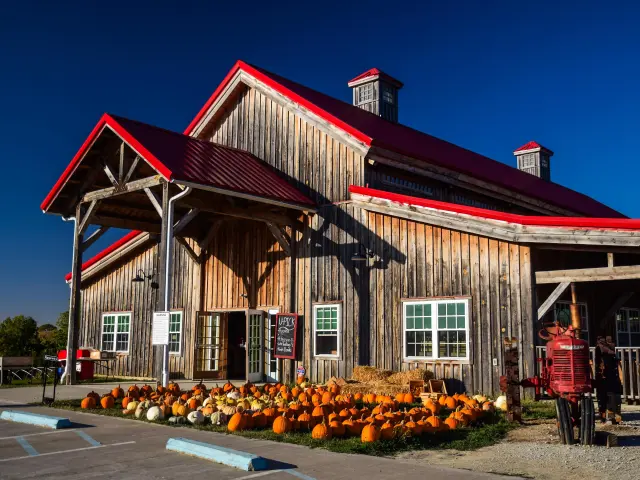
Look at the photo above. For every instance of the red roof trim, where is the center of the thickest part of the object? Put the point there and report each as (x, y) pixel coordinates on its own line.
(529, 146)
(107, 251)
(105, 120)
(245, 67)
(529, 220)
(372, 72)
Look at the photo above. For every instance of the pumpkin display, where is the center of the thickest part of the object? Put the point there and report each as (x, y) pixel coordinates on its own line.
(452, 423)
(450, 403)
(281, 425)
(501, 403)
(94, 395)
(154, 414)
(337, 428)
(434, 422)
(117, 392)
(227, 387)
(321, 431)
(195, 417)
(131, 406)
(259, 420)
(370, 434)
(88, 402)
(107, 401)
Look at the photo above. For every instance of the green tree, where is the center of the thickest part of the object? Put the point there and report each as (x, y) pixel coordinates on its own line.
(18, 336)
(62, 328)
(47, 338)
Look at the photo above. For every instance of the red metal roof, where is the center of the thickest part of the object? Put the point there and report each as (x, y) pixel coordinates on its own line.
(183, 158)
(373, 130)
(585, 223)
(528, 146)
(107, 251)
(376, 72)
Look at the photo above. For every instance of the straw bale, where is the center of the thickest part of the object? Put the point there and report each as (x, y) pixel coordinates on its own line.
(403, 378)
(369, 374)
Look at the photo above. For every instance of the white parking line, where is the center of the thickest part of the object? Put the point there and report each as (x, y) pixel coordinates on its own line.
(259, 474)
(40, 433)
(66, 451)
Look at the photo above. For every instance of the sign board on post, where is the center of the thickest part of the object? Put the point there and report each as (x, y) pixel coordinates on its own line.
(160, 330)
(286, 328)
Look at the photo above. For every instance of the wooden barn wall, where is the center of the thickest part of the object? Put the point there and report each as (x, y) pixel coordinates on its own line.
(114, 292)
(314, 162)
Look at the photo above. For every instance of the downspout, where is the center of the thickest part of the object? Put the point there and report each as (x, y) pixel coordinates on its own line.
(66, 364)
(167, 276)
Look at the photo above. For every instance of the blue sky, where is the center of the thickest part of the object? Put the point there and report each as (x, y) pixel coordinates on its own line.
(489, 76)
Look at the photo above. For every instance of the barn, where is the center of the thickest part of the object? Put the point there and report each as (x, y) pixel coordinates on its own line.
(394, 248)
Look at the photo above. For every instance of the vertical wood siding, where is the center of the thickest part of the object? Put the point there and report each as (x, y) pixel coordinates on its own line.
(114, 292)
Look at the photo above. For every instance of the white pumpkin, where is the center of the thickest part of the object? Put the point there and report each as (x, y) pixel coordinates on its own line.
(154, 414)
(207, 401)
(131, 406)
(140, 410)
(233, 395)
(501, 403)
(480, 398)
(196, 417)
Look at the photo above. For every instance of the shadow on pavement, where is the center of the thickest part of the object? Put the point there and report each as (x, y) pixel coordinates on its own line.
(276, 465)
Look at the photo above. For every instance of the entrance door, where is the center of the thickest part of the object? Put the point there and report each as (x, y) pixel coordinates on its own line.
(272, 370)
(211, 346)
(255, 345)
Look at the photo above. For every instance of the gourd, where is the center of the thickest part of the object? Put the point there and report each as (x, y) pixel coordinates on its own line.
(370, 434)
(216, 418)
(281, 425)
(140, 410)
(321, 431)
(233, 395)
(196, 417)
(132, 405)
(228, 410)
(154, 414)
(501, 403)
(88, 402)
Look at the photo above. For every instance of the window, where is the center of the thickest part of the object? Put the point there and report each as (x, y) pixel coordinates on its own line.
(365, 93)
(175, 333)
(115, 332)
(436, 329)
(562, 314)
(326, 334)
(628, 327)
(387, 96)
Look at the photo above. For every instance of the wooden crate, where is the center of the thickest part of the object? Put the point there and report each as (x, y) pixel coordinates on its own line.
(433, 390)
(416, 387)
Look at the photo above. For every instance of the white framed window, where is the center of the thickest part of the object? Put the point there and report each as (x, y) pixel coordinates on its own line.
(628, 327)
(115, 332)
(327, 320)
(436, 329)
(175, 333)
(562, 314)
(365, 93)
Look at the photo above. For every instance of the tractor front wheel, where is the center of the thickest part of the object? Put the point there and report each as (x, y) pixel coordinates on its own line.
(563, 419)
(587, 421)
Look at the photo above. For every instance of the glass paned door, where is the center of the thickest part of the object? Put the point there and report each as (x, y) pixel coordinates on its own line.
(255, 345)
(210, 355)
(271, 362)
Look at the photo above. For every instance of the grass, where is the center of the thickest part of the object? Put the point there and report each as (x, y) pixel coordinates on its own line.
(491, 430)
(37, 382)
(542, 410)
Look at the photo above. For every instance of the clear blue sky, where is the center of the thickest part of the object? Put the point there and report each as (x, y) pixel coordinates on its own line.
(488, 75)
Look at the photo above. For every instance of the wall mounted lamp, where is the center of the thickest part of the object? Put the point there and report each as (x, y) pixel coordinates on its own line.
(141, 277)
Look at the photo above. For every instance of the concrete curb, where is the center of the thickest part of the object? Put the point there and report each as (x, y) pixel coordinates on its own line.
(35, 419)
(226, 456)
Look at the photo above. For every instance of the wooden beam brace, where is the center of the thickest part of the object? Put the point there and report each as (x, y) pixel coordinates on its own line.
(551, 299)
(131, 169)
(117, 222)
(154, 200)
(194, 256)
(184, 221)
(111, 176)
(91, 239)
(86, 219)
(127, 187)
(589, 274)
(610, 259)
(121, 164)
(208, 238)
(257, 214)
(281, 237)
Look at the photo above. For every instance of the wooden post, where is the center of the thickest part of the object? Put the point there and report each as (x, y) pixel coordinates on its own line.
(74, 303)
(511, 383)
(158, 350)
(292, 302)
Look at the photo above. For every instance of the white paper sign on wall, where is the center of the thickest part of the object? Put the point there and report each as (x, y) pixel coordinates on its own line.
(160, 330)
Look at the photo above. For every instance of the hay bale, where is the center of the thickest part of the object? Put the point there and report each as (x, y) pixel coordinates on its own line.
(403, 378)
(369, 374)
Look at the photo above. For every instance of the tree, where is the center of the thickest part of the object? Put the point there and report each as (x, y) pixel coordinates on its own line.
(62, 326)
(18, 336)
(47, 338)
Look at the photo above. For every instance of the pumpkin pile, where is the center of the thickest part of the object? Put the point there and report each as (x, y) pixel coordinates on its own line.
(324, 411)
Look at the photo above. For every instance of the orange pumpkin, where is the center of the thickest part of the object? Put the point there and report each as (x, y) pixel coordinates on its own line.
(450, 403)
(358, 397)
(434, 422)
(107, 401)
(281, 425)
(370, 434)
(408, 398)
(117, 392)
(321, 431)
(337, 429)
(387, 431)
(305, 421)
(452, 423)
(236, 422)
(88, 402)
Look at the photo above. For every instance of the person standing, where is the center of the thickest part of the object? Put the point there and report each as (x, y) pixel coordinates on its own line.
(608, 383)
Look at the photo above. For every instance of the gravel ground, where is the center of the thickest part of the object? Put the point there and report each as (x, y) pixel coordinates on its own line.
(534, 452)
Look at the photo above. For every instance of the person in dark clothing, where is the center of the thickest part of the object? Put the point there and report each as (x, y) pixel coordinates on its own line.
(608, 384)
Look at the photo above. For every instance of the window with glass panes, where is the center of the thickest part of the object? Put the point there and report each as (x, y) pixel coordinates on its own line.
(628, 327)
(365, 93)
(436, 329)
(175, 333)
(562, 314)
(326, 330)
(115, 332)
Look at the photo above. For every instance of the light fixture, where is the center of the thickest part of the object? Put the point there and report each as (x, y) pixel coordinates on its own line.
(362, 255)
(141, 277)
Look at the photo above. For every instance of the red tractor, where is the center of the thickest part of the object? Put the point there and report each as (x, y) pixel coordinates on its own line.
(565, 375)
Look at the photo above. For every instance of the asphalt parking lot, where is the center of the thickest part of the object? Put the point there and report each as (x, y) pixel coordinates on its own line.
(103, 447)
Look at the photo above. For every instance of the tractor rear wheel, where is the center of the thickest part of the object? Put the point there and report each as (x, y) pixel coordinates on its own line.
(563, 419)
(587, 421)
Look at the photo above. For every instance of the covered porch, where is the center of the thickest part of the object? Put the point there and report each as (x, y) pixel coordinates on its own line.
(175, 192)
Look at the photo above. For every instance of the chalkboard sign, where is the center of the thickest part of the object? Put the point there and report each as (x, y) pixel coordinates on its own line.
(285, 341)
